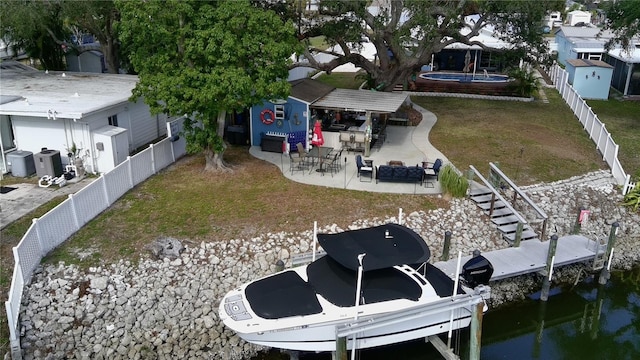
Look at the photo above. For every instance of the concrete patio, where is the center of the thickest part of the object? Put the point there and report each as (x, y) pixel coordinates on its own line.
(409, 144)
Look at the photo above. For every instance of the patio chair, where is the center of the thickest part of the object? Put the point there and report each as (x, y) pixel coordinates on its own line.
(333, 164)
(334, 157)
(431, 171)
(364, 171)
(304, 154)
(298, 163)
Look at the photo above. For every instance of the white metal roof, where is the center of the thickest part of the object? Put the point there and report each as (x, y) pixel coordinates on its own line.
(362, 100)
(632, 57)
(69, 95)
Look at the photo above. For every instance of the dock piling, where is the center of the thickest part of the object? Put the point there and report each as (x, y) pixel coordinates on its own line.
(476, 332)
(447, 244)
(341, 349)
(546, 282)
(604, 273)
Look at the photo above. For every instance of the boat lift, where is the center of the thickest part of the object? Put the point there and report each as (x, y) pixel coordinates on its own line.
(474, 303)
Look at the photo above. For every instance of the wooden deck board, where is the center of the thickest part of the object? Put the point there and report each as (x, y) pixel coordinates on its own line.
(530, 257)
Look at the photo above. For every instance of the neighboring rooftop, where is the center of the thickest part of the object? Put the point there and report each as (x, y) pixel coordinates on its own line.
(586, 63)
(309, 90)
(70, 95)
(362, 100)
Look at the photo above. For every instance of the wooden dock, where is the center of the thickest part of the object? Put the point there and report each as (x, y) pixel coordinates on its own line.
(530, 257)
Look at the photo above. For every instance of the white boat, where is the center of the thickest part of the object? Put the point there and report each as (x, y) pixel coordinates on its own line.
(303, 308)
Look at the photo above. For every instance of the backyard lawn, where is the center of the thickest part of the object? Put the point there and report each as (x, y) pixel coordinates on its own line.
(532, 142)
(622, 119)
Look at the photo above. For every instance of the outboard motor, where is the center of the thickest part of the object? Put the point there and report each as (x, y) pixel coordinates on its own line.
(477, 270)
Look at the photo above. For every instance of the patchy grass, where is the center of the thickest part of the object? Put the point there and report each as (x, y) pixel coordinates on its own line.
(319, 42)
(531, 141)
(186, 203)
(622, 119)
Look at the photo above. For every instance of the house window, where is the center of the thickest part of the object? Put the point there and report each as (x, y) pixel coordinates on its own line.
(279, 110)
(113, 120)
(590, 56)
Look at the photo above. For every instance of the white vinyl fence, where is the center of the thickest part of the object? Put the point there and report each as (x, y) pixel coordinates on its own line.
(593, 126)
(57, 225)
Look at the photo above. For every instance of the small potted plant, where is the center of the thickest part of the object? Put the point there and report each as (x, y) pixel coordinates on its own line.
(76, 160)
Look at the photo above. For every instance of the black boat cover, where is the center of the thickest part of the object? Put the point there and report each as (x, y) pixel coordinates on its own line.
(282, 295)
(385, 246)
(337, 284)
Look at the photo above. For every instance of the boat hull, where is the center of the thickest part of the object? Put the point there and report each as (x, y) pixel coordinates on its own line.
(322, 337)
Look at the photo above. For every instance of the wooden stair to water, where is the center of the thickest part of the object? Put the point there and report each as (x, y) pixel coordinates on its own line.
(503, 217)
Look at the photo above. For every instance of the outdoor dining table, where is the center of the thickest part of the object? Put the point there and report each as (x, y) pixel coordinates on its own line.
(320, 153)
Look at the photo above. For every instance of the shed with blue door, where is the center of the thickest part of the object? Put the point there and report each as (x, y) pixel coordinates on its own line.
(288, 119)
(590, 78)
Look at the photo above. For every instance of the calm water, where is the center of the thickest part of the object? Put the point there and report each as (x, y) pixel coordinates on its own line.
(584, 322)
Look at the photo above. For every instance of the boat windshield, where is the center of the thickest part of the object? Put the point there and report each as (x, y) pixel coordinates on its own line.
(337, 283)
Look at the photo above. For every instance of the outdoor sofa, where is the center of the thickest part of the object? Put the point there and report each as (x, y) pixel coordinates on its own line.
(394, 173)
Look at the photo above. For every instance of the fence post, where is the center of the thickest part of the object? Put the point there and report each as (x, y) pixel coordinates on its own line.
(130, 168)
(105, 189)
(75, 212)
(36, 226)
(153, 159)
(17, 284)
(173, 153)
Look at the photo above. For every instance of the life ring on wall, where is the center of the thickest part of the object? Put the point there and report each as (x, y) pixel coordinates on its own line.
(267, 116)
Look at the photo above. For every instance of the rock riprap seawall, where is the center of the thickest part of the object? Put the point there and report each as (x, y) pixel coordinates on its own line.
(167, 309)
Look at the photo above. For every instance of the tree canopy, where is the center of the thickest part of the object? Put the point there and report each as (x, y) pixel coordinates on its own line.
(206, 58)
(406, 33)
(29, 26)
(43, 29)
(623, 19)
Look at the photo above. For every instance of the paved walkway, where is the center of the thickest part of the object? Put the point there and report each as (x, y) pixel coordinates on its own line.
(406, 143)
(409, 144)
(28, 197)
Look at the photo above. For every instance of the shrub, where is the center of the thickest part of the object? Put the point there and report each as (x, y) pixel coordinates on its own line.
(525, 84)
(453, 183)
(632, 199)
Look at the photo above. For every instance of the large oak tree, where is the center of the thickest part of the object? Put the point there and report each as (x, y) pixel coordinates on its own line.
(406, 33)
(623, 19)
(205, 59)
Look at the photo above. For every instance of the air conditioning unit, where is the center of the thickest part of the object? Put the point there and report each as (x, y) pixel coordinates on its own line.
(21, 162)
(48, 162)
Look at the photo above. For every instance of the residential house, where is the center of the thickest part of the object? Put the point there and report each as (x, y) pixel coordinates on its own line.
(553, 19)
(278, 125)
(87, 61)
(576, 17)
(588, 43)
(57, 110)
